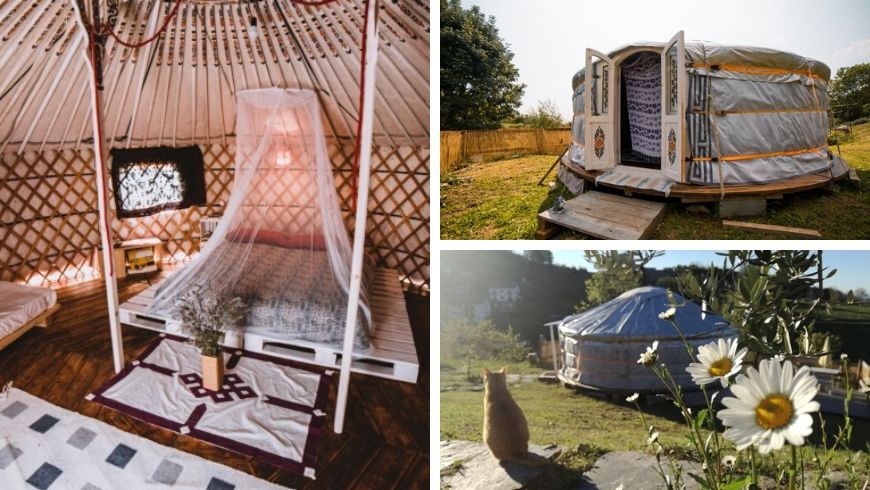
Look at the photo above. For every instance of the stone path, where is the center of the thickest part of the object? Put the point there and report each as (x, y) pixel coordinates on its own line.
(470, 465)
(632, 470)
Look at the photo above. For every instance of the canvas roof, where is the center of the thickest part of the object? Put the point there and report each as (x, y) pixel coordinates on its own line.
(635, 314)
(181, 89)
(719, 54)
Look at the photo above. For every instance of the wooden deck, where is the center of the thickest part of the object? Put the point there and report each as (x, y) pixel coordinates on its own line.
(392, 353)
(604, 215)
(700, 193)
(386, 439)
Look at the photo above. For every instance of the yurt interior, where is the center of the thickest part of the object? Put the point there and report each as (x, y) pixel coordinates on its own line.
(701, 122)
(214, 243)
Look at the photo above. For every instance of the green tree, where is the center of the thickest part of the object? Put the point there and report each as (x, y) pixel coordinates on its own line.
(615, 273)
(667, 283)
(545, 115)
(479, 87)
(539, 256)
(771, 297)
(467, 341)
(850, 92)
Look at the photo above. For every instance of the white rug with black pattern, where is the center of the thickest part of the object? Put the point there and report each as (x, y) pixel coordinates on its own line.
(270, 409)
(44, 446)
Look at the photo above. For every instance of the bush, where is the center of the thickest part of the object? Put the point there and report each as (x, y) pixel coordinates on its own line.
(836, 138)
(468, 341)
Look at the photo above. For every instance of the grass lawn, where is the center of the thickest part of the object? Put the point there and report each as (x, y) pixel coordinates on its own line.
(500, 201)
(586, 426)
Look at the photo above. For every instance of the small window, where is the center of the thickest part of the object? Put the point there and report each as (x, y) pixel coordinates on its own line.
(149, 180)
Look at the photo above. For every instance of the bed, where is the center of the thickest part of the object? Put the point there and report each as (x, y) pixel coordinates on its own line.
(291, 293)
(22, 308)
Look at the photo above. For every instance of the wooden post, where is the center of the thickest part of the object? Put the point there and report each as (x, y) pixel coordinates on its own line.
(105, 231)
(359, 232)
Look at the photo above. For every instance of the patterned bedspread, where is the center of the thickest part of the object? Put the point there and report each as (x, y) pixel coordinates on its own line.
(292, 293)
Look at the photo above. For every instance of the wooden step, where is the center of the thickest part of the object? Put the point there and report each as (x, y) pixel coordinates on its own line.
(604, 216)
(392, 353)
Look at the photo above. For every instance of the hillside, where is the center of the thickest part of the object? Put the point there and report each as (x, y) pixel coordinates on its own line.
(547, 292)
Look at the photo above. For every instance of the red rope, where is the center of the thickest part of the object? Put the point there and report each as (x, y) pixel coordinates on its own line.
(98, 138)
(153, 37)
(312, 3)
(359, 122)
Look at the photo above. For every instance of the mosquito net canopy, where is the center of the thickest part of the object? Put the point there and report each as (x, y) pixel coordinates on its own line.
(281, 245)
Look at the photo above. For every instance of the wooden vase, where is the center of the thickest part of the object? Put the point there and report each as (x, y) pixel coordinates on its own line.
(212, 372)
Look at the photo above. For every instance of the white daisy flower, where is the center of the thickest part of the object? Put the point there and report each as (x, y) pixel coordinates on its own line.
(718, 360)
(772, 406)
(632, 398)
(668, 314)
(843, 357)
(649, 357)
(729, 461)
(653, 438)
(864, 386)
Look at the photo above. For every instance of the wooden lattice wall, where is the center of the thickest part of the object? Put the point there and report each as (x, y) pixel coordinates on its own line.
(48, 217)
(49, 220)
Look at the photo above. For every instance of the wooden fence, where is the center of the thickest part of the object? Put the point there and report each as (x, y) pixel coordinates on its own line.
(480, 146)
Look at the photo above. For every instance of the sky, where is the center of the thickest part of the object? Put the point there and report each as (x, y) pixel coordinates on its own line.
(549, 37)
(853, 267)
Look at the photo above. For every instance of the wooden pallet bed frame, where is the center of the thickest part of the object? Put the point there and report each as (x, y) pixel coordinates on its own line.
(40, 320)
(392, 354)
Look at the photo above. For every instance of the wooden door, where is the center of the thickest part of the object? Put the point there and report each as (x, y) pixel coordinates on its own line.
(674, 91)
(600, 137)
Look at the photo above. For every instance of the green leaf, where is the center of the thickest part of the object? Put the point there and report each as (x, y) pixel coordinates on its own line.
(738, 484)
(700, 480)
(702, 416)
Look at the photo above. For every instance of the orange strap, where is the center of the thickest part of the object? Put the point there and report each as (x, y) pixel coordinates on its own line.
(757, 70)
(763, 155)
(770, 111)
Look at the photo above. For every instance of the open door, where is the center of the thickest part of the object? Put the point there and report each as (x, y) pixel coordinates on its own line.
(600, 137)
(674, 87)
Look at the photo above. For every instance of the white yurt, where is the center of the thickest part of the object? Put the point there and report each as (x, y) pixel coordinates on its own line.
(601, 346)
(696, 119)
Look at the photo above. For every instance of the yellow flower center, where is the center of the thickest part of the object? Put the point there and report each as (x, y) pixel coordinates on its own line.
(774, 412)
(721, 367)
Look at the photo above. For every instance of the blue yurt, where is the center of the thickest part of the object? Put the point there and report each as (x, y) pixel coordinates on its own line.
(601, 346)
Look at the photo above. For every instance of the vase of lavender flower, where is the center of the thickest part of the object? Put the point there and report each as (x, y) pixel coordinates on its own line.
(206, 317)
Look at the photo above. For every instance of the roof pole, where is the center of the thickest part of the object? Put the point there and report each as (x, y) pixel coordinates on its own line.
(102, 192)
(359, 232)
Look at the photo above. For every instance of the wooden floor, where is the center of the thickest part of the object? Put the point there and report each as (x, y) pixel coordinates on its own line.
(385, 443)
(701, 193)
(605, 216)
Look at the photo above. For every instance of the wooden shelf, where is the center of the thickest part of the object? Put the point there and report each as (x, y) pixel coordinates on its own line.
(155, 245)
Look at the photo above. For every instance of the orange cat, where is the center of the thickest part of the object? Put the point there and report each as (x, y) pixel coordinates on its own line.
(505, 429)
